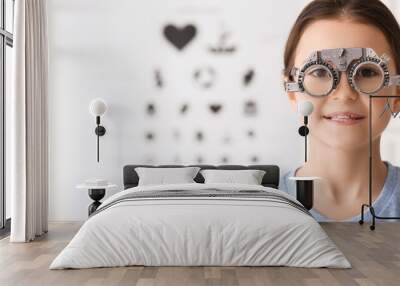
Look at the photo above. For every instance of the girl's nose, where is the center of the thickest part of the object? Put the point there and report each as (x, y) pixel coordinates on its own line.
(344, 91)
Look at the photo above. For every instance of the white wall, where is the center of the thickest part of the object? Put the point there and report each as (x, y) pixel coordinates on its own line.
(110, 49)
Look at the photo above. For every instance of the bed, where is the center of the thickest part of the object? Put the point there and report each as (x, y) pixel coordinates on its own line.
(201, 224)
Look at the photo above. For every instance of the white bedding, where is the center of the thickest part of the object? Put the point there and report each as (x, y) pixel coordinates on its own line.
(200, 231)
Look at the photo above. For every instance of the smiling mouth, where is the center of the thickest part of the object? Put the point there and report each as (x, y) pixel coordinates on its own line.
(344, 118)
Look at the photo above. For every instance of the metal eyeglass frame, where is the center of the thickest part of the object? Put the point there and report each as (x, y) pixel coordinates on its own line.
(340, 60)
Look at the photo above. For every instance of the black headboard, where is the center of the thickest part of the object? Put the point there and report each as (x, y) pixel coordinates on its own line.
(270, 179)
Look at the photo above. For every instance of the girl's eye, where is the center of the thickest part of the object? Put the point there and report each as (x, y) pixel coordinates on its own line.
(367, 72)
(319, 73)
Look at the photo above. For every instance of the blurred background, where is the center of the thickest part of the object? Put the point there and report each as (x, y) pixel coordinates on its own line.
(185, 81)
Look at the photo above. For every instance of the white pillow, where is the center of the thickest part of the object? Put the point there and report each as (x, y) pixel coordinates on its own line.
(162, 176)
(249, 177)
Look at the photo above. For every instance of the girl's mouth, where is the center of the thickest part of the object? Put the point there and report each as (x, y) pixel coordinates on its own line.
(344, 118)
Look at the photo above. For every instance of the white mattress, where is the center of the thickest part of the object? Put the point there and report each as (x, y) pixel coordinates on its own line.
(200, 231)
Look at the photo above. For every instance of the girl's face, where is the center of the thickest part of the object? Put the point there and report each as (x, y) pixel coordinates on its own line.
(326, 123)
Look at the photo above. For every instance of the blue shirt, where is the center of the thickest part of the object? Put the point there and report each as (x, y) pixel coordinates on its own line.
(387, 204)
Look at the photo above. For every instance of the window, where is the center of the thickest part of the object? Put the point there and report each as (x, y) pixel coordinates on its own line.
(6, 44)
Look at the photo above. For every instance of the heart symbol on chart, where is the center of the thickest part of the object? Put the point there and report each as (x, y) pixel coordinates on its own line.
(215, 108)
(179, 37)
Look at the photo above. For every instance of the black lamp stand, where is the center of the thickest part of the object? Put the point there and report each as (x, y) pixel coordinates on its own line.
(100, 131)
(303, 131)
(369, 205)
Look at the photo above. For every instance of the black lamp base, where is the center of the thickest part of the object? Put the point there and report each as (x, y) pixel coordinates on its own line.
(305, 193)
(373, 215)
(96, 195)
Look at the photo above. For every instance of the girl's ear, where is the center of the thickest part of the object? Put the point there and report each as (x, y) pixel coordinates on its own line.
(291, 95)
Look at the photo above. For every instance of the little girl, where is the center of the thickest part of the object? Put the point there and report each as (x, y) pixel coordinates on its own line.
(334, 58)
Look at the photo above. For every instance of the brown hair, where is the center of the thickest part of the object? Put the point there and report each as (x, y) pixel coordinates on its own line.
(373, 12)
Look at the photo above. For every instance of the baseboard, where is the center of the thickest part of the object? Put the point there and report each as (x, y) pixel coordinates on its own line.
(66, 221)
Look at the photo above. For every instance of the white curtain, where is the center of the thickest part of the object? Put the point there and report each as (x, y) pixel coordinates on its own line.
(28, 123)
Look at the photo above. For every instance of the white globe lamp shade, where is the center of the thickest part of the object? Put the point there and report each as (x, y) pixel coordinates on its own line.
(97, 107)
(305, 108)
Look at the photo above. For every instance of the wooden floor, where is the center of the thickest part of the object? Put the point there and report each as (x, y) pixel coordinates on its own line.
(375, 257)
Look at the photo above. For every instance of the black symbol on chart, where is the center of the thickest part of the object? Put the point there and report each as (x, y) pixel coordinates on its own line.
(248, 77)
(199, 136)
(250, 108)
(184, 108)
(225, 159)
(179, 37)
(151, 109)
(215, 108)
(149, 136)
(222, 46)
(254, 159)
(158, 78)
(250, 133)
(205, 77)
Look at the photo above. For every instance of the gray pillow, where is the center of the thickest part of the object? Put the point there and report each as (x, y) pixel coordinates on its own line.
(162, 176)
(249, 177)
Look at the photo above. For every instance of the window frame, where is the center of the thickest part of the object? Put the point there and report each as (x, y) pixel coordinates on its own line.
(6, 39)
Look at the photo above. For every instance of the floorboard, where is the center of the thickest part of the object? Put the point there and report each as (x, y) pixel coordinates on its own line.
(374, 255)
